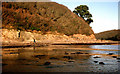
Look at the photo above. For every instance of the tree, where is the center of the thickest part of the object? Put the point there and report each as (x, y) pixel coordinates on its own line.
(82, 11)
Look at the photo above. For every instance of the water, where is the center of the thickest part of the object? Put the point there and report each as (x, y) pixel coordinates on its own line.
(60, 58)
(109, 47)
(105, 46)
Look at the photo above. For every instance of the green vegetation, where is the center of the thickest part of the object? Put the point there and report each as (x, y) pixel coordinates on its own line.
(42, 16)
(82, 11)
(109, 35)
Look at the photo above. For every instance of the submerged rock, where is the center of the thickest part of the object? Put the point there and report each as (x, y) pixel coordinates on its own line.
(40, 56)
(27, 64)
(14, 52)
(118, 61)
(86, 53)
(68, 57)
(79, 53)
(3, 64)
(96, 57)
(47, 63)
(21, 59)
(53, 58)
(102, 63)
(66, 53)
(114, 56)
(72, 53)
(71, 61)
(96, 61)
(118, 58)
(110, 53)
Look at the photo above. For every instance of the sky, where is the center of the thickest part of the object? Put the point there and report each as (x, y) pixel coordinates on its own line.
(105, 13)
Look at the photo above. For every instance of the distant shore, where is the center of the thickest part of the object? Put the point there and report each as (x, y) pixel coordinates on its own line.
(17, 45)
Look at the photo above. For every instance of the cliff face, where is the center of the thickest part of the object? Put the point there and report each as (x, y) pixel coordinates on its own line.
(12, 36)
(44, 17)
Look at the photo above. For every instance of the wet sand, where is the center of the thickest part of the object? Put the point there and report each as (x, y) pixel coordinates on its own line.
(60, 58)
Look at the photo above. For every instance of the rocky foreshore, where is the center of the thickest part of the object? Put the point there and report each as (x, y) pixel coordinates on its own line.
(14, 38)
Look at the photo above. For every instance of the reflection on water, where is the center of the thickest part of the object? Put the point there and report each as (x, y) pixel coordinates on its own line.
(56, 60)
(105, 46)
(110, 47)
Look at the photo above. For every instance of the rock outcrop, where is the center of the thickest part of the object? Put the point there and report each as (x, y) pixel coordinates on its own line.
(27, 37)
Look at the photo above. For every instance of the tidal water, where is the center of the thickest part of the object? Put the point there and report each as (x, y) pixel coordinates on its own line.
(105, 46)
(56, 59)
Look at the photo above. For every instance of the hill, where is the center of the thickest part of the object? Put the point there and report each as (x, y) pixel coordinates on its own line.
(44, 17)
(109, 35)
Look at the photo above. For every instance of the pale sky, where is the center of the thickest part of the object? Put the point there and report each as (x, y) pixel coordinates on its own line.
(105, 13)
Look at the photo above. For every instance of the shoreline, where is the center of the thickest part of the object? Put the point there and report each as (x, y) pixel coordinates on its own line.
(18, 45)
(110, 43)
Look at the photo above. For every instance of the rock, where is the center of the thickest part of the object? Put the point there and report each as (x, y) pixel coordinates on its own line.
(96, 57)
(34, 31)
(118, 58)
(14, 52)
(39, 56)
(21, 59)
(114, 56)
(66, 53)
(110, 53)
(4, 64)
(79, 53)
(36, 61)
(71, 61)
(95, 61)
(53, 58)
(72, 53)
(102, 63)
(86, 53)
(68, 57)
(118, 61)
(27, 64)
(47, 63)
